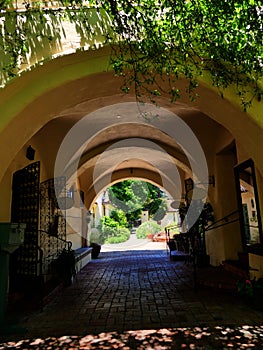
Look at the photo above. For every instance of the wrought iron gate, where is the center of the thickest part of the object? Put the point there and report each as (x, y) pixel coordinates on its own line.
(52, 221)
(24, 262)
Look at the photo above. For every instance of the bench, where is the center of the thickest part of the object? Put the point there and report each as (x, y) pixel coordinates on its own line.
(82, 257)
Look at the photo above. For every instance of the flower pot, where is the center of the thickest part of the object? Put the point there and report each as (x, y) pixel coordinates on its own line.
(150, 236)
(95, 250)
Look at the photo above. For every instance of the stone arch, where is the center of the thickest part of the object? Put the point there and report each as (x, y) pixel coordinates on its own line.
(67, 88)
(64, 84)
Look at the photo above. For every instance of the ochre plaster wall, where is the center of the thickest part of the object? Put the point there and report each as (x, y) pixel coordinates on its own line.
(225, 203)
(49, 91)
(256, 265)
(74, 227)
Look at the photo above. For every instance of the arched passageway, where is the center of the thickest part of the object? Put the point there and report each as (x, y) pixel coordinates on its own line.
(95, 136)
(67, 132)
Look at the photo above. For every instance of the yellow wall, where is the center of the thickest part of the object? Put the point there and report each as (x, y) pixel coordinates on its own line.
(256, 265)
(74, 227)
(33, 106)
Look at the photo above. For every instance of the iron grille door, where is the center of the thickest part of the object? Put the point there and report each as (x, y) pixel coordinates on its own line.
(52, 220)
(25, 209)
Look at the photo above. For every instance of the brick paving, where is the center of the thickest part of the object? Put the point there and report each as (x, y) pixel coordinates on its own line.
(135, 290)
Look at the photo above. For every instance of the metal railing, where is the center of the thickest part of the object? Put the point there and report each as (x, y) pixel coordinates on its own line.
(226, 220)
(52, 246)
(196, 242)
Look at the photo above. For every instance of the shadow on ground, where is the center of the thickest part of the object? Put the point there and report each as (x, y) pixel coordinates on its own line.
(140, 300)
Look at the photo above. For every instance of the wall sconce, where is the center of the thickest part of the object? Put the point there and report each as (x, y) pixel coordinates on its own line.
(199, 193)
(30, 153)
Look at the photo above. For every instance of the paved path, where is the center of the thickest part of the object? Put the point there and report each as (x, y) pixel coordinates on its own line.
(135, 290)
(134, 244)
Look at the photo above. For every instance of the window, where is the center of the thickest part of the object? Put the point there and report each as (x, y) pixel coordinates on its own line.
(247, 195)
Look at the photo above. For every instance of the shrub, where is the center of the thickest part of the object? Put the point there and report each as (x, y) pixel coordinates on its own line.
(125, 232)
(116, 239)
(109, 222)
(147, 228)
(108, 231)
(96, 236)
(122, 235)
(119, 216)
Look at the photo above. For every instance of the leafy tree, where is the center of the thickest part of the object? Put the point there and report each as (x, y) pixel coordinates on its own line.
(157, 209)
(122, 190)
(133, 195)
(119, 217)
(113, 228)
(109, 227)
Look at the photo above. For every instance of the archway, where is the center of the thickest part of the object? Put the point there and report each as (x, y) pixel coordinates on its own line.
(216, 123)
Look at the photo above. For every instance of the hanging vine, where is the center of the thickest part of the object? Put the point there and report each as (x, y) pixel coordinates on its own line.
(160, 40)
(153, 41)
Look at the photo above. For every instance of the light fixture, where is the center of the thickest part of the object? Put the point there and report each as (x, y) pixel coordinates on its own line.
(30, 153)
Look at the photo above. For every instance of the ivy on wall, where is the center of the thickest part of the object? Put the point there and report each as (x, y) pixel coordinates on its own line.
(153, 41)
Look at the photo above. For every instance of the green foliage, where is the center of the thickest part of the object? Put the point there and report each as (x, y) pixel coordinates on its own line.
(157, 209)
(96, 236)
(107, 228)
(187, 39)
(129, 196)
(115, 239)
(153, 41)
(108, 231)
(122, 235)
(121, 190)
(113, 231)
(107, 221)
(134, 195)
(147, 228)
(119, 216)
(125, 232)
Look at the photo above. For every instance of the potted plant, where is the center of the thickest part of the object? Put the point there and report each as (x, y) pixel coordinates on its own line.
(95, 250)
(251, 291)
(64, 266)
(150, 236)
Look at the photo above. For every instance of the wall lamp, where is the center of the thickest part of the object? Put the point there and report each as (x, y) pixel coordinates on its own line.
(30, 153)
(198, 194)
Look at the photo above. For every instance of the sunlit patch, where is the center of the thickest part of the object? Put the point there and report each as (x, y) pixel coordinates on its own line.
(219, 337)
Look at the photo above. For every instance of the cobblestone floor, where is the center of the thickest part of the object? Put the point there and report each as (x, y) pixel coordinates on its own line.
(135, 290)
